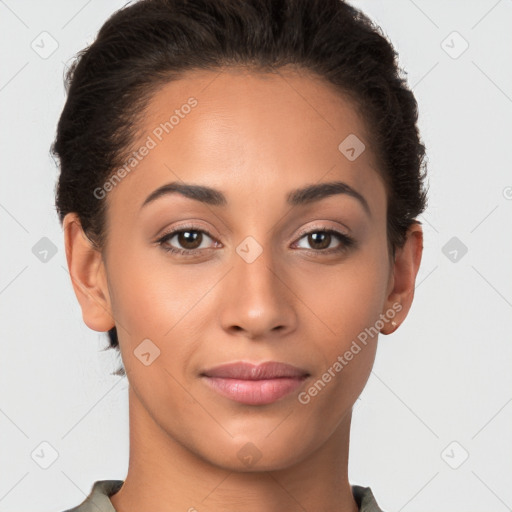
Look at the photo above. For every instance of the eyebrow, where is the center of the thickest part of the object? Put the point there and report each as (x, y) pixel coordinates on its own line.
(297, 197)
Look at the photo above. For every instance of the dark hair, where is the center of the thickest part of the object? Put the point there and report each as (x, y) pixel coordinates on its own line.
(148, 43)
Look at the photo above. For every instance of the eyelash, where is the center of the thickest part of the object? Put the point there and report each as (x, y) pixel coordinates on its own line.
(346, 241)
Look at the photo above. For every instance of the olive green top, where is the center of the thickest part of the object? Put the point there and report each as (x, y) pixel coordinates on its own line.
(98, 499)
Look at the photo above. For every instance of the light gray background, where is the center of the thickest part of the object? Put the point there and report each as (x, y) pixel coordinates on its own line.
(441, 387)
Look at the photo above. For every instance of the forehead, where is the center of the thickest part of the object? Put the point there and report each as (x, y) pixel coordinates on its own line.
(256, 131)
(289, 105)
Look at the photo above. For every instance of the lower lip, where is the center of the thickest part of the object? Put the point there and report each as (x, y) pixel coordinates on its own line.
(254, 392)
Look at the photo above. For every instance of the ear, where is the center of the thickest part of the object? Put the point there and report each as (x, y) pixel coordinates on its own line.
(88, 276)
(403, 277)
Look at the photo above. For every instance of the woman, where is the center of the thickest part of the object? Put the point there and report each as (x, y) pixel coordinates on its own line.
(239, 188)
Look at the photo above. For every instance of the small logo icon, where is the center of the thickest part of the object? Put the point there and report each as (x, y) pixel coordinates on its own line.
(249, 454)
(45, 45)
(454, 250)
(352, 147)
(44, 250)
(44, 455)
(454, 455)
(454, 45)
(146, 352)
(249, 249)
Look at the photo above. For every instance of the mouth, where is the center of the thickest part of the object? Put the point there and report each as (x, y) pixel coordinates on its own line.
(254, 384)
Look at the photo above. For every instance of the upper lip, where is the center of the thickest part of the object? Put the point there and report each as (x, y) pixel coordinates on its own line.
(249, 371)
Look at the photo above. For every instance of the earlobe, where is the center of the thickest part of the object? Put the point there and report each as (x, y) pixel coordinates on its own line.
(88, 277)
(403, 281)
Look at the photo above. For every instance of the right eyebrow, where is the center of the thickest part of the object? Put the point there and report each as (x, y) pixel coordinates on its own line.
(200, 193)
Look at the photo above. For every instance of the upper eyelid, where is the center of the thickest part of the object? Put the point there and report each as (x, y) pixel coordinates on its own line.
(173, 232)
(340, 227)
(179, 229)
(312, 229)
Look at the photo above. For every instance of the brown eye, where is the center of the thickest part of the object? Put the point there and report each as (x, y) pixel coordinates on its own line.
(189, 239)
(186, 241)
(321, 240)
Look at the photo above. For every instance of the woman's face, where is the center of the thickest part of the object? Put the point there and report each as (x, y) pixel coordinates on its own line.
(257, 279)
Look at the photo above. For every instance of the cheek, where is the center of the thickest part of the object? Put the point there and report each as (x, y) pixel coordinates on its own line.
(349, 303)
(348, 297)
(151, 295)
(157, 300)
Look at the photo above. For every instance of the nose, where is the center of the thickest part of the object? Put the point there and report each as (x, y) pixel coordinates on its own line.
(257, 301)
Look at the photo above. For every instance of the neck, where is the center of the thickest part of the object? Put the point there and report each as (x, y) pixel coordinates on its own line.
(166, 476)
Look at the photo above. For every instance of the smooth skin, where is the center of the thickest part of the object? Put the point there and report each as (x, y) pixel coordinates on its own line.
(254, 137)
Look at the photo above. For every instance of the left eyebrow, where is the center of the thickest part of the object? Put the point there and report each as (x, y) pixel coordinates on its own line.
(297, 197)
(316, 192)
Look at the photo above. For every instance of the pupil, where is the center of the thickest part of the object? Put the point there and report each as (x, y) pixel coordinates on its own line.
(186, 238)
(313, 239)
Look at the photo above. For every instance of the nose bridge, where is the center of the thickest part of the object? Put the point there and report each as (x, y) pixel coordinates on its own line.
(258, 301)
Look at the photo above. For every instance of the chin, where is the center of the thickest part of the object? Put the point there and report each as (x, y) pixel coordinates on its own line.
(249, 456)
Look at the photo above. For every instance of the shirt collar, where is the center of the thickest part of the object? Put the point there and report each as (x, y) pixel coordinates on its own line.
(99, 501)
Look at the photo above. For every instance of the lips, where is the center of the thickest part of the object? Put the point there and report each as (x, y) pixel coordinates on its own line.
(248, 371)
(252, 384)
